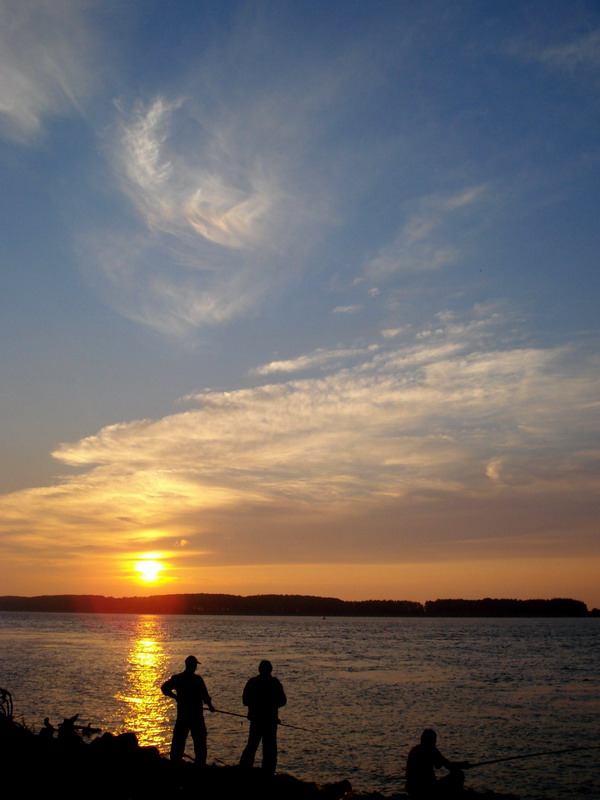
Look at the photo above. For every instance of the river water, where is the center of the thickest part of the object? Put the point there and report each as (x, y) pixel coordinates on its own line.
(367, 687)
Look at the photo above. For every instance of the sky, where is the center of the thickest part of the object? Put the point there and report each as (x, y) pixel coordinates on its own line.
(300, 297)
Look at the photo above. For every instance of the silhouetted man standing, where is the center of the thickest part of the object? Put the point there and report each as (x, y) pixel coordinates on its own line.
(422, 761)
(189, 690)
(264, 696)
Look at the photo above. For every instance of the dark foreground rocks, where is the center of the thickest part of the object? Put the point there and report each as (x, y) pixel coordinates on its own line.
(117, 768)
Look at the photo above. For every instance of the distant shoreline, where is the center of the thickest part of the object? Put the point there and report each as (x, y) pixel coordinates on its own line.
(295, 605)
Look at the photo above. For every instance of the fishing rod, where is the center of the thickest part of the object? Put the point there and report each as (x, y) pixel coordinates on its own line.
(284, 724)
(230, 713)
(533, 755)
(296, 727)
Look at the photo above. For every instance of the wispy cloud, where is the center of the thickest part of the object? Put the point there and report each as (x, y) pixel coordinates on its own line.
(176, 194)
(428, 240)
(346, 309)
(581, 51)
(214, 223)
(391, 333)
(318, 358)
(45, 51)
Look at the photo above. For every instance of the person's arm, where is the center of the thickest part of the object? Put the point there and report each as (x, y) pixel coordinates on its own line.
(206, 697)
(167, 689)
(282, 698)
(247, 695)
(441, 761)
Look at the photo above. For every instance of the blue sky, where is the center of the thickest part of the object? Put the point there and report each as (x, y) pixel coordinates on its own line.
(300, 296)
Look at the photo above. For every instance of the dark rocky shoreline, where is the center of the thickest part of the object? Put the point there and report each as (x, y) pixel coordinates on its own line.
(116, 767)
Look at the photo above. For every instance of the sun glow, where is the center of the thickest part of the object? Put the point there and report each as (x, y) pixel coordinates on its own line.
(148, 568)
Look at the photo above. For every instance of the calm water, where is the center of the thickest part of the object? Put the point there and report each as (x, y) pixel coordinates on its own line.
(367, 686)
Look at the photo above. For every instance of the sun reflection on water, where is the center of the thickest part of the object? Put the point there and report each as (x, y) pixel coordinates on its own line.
(147, 712)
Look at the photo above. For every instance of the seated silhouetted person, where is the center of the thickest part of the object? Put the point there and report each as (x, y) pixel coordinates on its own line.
(47, 732)
(422, 761)
(264, 696)
(190, 692)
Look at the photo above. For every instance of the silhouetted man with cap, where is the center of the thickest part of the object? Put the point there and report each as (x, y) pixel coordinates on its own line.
(264, 696)
(189, 690)
(422, 761)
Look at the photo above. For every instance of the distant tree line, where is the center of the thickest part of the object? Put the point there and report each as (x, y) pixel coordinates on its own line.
(557, 607)
(294, 605)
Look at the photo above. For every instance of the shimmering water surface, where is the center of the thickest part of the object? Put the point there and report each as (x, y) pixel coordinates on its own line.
(367, 687)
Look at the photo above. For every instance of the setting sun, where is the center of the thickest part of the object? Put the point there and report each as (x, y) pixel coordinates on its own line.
(149, 569)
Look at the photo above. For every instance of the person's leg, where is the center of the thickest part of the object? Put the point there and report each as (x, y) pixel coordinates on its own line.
(254, 737)
(198, 730)
(269, 740)
(180, 734)
(451, 785)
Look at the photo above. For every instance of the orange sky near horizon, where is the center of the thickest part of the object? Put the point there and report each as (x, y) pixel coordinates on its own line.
(511, 578)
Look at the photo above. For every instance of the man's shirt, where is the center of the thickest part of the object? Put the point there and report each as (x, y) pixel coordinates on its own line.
(263, 695)
(190, 692)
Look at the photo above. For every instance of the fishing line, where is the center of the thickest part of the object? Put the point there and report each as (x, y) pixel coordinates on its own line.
(283, 724)
(533, 755)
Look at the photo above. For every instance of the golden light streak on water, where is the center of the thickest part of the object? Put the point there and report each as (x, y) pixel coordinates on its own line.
(147, 709)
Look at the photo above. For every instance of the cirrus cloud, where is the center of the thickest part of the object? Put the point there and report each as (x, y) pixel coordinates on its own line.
(425, 241)
(45, 56)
